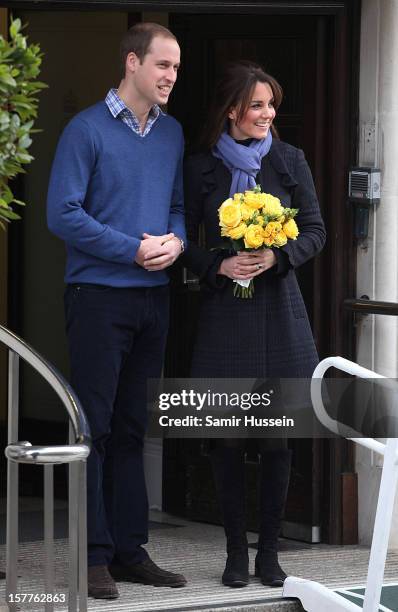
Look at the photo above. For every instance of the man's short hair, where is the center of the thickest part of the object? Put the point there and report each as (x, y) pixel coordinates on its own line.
(138, 40)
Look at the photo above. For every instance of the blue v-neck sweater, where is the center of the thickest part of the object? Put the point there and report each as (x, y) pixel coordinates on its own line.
(108, 186)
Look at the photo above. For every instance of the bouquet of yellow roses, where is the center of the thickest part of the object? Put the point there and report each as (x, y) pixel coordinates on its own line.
(255, 220)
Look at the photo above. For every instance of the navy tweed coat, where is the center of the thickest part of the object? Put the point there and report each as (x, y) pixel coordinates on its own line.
(268, 335)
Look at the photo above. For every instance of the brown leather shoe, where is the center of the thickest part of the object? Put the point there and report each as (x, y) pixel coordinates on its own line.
(100, 583)
(147, 572)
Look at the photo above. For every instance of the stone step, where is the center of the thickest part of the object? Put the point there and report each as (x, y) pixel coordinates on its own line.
(276, 605)
(279, 605)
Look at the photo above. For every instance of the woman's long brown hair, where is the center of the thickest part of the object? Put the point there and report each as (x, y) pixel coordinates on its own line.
(235, 89)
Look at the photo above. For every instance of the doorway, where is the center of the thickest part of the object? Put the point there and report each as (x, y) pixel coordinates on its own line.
(299, 51)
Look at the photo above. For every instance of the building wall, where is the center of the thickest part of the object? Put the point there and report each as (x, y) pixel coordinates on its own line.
(377, 265)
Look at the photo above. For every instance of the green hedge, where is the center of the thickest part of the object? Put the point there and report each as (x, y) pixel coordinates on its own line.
(19, 69)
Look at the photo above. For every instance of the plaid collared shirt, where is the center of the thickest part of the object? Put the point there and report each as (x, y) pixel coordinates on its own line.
(119, 110)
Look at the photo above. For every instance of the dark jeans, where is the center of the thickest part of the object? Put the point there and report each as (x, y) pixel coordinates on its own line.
(116, 342)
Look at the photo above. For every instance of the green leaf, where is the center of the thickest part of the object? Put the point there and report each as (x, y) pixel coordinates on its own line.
(9, 214)
(23, 158)
(15, 28)
(7, 195)
(7, 79)
(4, 121)
(25, 141)
(39, 85)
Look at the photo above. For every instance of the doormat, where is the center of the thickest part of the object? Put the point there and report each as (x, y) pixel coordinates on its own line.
(388, 600)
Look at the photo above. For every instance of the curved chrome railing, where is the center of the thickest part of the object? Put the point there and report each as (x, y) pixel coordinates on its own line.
(54, 378)
(75, 454)
(24, 452)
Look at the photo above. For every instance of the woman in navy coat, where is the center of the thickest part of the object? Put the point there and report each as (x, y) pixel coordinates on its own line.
(268, 335)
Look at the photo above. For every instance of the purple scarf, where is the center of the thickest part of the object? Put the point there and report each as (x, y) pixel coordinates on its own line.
(244, 162)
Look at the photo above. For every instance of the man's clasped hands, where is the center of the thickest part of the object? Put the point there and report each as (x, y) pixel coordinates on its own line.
(158, 252)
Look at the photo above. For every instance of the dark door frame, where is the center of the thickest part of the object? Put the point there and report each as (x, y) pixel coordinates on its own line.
(279, 7)
(332, 326)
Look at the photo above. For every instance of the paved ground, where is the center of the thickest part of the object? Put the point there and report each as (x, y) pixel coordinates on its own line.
(197, 550)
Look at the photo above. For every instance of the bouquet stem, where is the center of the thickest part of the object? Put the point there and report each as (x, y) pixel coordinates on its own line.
(244, 292)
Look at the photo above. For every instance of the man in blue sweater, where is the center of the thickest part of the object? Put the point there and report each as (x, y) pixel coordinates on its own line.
(115, 197)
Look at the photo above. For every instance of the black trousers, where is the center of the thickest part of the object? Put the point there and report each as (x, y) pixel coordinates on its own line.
(228, 460)
(116, 342)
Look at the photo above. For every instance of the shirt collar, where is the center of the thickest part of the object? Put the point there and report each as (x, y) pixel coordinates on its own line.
(117, 106)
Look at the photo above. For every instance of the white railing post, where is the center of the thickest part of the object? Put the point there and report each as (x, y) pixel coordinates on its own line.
(314, 596)
(382, 527)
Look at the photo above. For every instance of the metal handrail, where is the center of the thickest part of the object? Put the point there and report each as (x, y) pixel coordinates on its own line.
(75, 454)
(365, 306)
(24, 452)
(316, 397)
(54, 378)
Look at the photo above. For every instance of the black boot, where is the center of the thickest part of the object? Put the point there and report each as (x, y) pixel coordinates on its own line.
(275, 472)
(228, 466)
(236, 572)
(267, 568)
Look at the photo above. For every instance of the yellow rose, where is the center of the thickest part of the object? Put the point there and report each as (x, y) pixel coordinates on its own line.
(247, 212)
(253, 236)
(237, 232)
(238, 197)
(291, 230)
(254, 200)
(260, 220)
(270, 231)
(280, 239)
(272, 206)
(229, 213)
